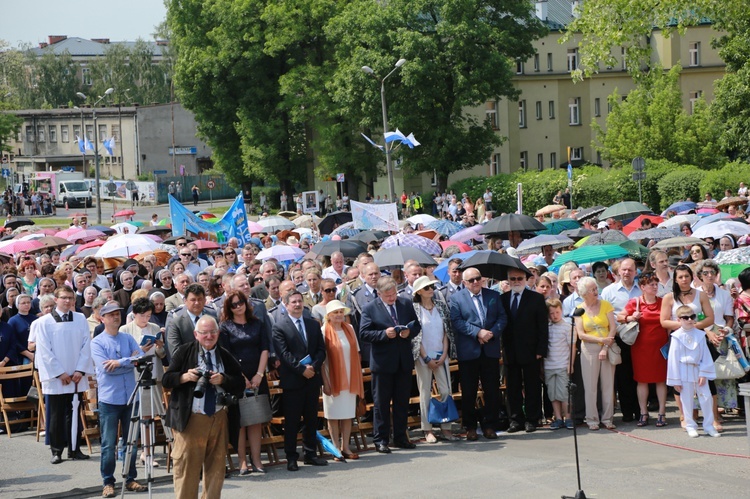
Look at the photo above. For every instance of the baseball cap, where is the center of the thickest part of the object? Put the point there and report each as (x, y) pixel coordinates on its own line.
(111, 306)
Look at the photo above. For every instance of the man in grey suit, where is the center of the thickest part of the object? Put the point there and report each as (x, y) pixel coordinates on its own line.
(360, 298)
(180, 328)
(181, 282)
(455, 283)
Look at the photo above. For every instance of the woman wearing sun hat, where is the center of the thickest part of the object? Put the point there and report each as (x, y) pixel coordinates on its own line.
(432, 348)
(342, 376)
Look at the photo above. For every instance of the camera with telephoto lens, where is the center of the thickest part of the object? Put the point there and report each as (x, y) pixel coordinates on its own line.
(200, 387)
(226, 399)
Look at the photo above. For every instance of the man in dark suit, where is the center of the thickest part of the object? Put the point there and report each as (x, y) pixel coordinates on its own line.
(182, 324)
(299, 346)
(524, 347)
(391, 362)
(200, 424)
(359, 299)
(479, 321)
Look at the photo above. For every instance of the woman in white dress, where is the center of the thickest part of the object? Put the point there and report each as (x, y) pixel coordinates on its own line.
(342, 376)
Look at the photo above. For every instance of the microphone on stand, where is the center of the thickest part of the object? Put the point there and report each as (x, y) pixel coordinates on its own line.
(578, 312)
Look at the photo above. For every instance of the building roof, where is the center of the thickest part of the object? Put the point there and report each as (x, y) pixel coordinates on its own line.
(81, 47)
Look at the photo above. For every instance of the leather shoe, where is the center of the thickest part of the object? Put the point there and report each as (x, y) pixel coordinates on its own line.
(383, 449)
(489, 434)
(55, 459)
(405, 445)
(529, 427)
(515, 427)
(316, 461)
(471, 435)
(292, 466)
(78, 455)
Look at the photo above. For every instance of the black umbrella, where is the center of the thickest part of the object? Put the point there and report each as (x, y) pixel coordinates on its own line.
(512, 222)
(172, 240)
(333, 220)
(103, 228)
(368, 236)
(494, 265)
(349, 248)
(19, 222)
(589, 213)
(579, 233)
(155, 229)
(396, 256)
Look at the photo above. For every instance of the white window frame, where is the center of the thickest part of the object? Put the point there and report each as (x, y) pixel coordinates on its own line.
(433, 180)
(540, 161)
(551, 109)
(491, 114)
(538, 110)
(495, 160)
(694, 54)
(574, 111)
(86, 76)
(553, 160)
(536, 63)
(52, 134)
(694, 97)
(524, 162)
(623, 61)
(102, 133)
(519, 67)
(522, 114)
(549, 61)
(40, 135)
(30, 134)
(90, 132)
(576, 154)
(64, 133)
(597, 107)
(572, 59)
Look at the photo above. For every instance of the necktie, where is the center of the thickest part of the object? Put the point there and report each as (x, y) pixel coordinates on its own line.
(301, 331)
(392, 310)
(68, 317)
(375, 292)
(209, 404)
(478, 300)
(514, 305)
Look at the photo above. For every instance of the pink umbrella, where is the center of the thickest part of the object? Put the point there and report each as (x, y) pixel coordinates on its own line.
(461, 246)
(92, 244)
(468, 234)
(65, 233)
(707, 211)
(16, 246)
(255, 227)
(154, 237)
(84, 235)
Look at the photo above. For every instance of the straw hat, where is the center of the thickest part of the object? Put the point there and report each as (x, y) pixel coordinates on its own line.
(422, 283)
(334, 305)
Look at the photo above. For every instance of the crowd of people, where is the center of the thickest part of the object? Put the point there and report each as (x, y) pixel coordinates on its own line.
(219, 326)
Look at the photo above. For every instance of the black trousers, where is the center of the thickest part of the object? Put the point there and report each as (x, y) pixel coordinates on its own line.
(387, 388)
(625, 385)
(523, 379)
(486, 369)
(59, 425)
(301, 403)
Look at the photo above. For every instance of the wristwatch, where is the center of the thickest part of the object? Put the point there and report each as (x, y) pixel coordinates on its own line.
(427, 359)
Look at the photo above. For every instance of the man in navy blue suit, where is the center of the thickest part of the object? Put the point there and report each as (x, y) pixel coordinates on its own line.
(479, 320)
(391, 362)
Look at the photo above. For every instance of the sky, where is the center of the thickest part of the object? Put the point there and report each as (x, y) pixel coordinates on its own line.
(32, 21)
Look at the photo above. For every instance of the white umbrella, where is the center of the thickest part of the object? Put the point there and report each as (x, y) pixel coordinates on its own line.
(276, 223)
(125, 228)
(678, 220)
(306, 221)
(281, 252)
(722, 228)
(422, 218)
(535, 244)
(126, 245)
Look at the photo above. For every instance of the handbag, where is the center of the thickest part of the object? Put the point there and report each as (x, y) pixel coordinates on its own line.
(728, 367)
(442, 412)
(254, 409)
(33, 394)
(614, 354)
(629, 332)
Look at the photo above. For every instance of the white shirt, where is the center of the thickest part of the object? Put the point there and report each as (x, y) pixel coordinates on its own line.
(330, 273)
(432, 332)
(558, 353)
(478, 304)
(618, 295)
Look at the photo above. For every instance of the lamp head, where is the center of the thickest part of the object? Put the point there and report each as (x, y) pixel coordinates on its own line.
(400, 63)
(368, 70)
(81, 95)
(109, 91)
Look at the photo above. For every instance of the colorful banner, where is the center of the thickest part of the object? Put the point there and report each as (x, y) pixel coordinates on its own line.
(368, 216)
(232, 224)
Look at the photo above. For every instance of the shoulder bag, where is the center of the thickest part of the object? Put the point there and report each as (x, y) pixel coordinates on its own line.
(728, 367)
(629, 331)
(254, 409)
(614, 354)
(442, 412)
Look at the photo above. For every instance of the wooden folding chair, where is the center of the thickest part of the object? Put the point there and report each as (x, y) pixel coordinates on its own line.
(14, 404)
(90, 414)
(41, 409)
(361, 426)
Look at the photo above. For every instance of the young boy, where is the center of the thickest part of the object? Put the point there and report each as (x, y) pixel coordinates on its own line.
(557, 365)
(689, 365)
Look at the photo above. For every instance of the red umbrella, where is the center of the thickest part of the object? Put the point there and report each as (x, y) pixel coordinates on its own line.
(124, 213)
(18, 246)
(636, 223)
(207, 216)
(92, 244)
(206, 245)
(462, 246)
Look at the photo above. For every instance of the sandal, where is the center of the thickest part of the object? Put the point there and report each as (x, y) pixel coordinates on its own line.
(661, 421)
(643, 421)
(594, 426)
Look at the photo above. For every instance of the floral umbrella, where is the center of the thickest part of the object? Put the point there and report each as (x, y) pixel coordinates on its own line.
(412, 240)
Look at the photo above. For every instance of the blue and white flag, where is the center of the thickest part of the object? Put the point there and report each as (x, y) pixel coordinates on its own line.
(399, 136)
(109, 145)
(232, 224)
(87, 143)
(81, 145)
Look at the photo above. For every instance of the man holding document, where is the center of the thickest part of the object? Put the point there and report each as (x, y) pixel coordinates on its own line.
(389, 323)
(299, 347)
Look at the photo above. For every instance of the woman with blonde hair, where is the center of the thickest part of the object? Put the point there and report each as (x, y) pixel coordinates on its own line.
(342, 376)
(480, 209)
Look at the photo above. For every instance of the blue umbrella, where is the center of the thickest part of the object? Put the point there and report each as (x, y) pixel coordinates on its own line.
(441, 271)
(445, 227)
(680, 207)
(328, 446)
(710, 219)
(556, 226)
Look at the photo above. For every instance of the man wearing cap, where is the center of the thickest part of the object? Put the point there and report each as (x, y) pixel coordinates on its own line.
(524, 346)
(113, 353)
(478, 319)
(63, 347)
(391, 362)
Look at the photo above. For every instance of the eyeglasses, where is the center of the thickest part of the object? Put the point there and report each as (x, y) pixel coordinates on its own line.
(708, 272)
(230, 253)
(516, 279)
(258, 279)
(186, 254)
(473, 280)
(181, 244)
(429, 287)
(688, 317)
(207, 333)
(329, 290)
(237, 304)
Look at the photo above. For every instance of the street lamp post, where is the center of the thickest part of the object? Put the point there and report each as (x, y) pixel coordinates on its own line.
(388, 162)
(96, 153)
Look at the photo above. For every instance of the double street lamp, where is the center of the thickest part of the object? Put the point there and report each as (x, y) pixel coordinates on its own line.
(96, 152)
(388, 162)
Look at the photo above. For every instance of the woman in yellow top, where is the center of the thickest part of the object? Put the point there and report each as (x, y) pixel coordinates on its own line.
(596, 330)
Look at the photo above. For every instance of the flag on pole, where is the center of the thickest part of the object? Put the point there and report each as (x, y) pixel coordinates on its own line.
(81, 145)
(87, 143)
(109, 145)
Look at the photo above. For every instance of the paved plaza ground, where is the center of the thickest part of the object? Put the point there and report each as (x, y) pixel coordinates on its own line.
(629, 462)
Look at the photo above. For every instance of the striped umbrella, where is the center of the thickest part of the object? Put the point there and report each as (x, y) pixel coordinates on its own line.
(16, 246)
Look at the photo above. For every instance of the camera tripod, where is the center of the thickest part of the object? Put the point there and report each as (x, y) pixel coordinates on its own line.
(143, 416)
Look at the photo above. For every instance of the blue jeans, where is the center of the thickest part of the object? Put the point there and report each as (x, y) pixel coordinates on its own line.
(109, 416)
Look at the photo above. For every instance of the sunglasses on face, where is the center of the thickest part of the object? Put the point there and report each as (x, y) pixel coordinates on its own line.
(473, 280)
(688, 317)
(230, 253)
(237, 304)
(709, 272)
(186, 254)
(181, 244)
(329, 290)
(429, 287)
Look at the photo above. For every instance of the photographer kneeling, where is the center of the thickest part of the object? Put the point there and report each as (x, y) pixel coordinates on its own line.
(204, 379)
